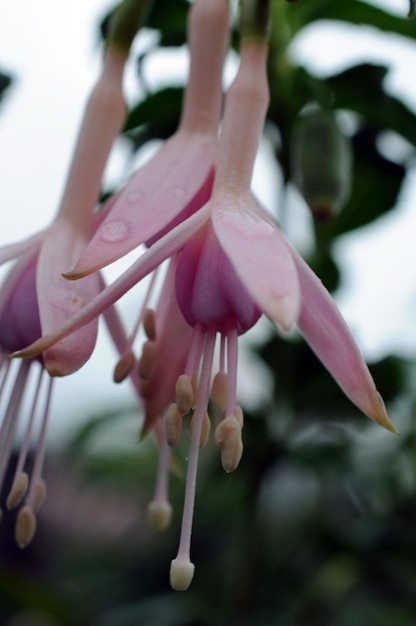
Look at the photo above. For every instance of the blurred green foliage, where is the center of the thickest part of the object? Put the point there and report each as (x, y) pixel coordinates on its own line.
(316, 527)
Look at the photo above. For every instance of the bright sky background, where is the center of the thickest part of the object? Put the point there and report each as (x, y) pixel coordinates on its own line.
(51, 50)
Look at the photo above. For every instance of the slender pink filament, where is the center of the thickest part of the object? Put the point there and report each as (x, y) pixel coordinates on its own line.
(161, 490)
(26, 441)
(9, 424)
(40, 448)
(200, 409)
(232, 360)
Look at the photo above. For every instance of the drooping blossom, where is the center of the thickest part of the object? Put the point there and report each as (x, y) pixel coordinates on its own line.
(178, 179)
(35, 299)
(232, 265)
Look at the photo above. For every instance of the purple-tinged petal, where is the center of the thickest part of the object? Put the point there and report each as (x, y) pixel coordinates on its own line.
(173, 340)
(19, 311)
(327, 333)
(168, 187)
(60, 299)
(163, 249)
(260, 257)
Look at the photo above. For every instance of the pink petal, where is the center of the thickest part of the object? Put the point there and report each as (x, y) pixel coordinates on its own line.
(60, 299)
(155, 196)
(13, 250)
(173, 339)
(327, 333)
(163, 249)
(260, 257)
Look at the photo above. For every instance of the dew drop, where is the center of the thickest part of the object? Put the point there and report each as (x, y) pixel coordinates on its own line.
(114, 231)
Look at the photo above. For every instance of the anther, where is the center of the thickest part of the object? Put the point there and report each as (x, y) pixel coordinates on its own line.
(239, 415)
(228, 437)
(181, 574)
(219, 390)
(147, 360)
(173, 425)
(124, 366)
(39, 494)
(18, 490)
(205, 430)
(25, 526)
(184, 394)
(149, 324)
(159, 515)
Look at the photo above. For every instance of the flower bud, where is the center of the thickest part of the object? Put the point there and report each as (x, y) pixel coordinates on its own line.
(321, 164)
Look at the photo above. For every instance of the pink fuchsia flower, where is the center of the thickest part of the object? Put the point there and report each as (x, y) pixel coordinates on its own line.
(35, 299)
(233, 265)
(177, 181)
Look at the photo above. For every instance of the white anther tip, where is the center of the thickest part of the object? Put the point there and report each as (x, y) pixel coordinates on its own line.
(159, 515)
(181, 574)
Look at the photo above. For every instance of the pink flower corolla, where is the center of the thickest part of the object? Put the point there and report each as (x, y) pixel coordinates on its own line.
(178, 179)
(35, 299)
(233, 264)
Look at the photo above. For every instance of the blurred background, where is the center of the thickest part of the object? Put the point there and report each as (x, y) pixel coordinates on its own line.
(317, 524)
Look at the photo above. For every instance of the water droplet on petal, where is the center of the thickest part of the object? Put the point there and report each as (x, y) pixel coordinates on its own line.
(114, 231)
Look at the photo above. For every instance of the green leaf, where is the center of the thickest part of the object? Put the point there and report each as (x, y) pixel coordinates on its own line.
(155, 117)
(169, 18)
(354, 12)
(361, 89)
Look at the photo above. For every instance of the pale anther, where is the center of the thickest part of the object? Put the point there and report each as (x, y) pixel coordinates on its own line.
(39, 495)
(181, 574)
(205, 430)
(25, 526)
(124, 366)
(159, 515)
(147, 360)
(228, 437)
(18, 490)
(238, 412)
(173, 425)
(149, 324)
(219, 390)
(184, 394)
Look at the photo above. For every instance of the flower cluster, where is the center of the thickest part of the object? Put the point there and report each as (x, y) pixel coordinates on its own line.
(228, 264)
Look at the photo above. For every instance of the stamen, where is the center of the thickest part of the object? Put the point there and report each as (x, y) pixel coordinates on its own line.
(124, 366)
(39, 495)
(37, 490)
(20, 478)
(25, 526)
(228, 437)
(219, 390)
(127, 359)
(149, 324)
(9, 424)
(147, 360)
(184, 394)
(232, 363)
(238, 412)
(5, 369)
(205, 430)
(182, 570)
(159, 511)
(18, 490)
(173, 425)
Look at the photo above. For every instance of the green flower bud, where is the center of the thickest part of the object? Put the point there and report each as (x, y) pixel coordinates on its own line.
(321, 164)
